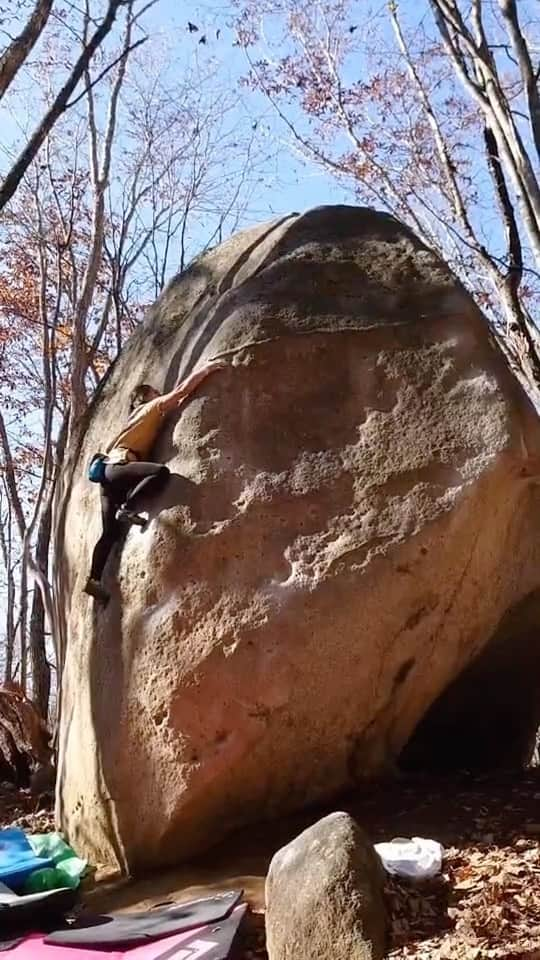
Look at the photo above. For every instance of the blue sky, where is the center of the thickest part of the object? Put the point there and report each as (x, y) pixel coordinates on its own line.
(290, 184)
(299, 185)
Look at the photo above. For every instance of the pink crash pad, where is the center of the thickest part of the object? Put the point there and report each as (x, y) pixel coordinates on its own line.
(211, 942)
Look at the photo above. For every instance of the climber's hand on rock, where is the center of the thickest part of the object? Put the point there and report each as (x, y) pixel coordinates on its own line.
(186, 388)
(200, 375)
(216, 365)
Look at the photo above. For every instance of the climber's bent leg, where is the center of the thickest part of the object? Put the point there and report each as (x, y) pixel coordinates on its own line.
(151, 478)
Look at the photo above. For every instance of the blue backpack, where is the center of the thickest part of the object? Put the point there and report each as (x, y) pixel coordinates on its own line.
(96, 470)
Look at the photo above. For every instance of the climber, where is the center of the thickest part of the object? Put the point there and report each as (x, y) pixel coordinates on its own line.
(124, 472)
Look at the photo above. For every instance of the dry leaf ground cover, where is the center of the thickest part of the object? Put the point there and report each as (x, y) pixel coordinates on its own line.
(486, 904)
(19, 809)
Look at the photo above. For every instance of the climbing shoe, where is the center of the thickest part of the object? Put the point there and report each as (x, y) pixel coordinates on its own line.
(94, 589)
(129, 516)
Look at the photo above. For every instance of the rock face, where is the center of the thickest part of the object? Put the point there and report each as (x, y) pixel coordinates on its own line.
(352, 514)
(324, 896)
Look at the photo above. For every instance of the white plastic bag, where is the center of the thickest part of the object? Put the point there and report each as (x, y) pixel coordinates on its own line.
(417, 859)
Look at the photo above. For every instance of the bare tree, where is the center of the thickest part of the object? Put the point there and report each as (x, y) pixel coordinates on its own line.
(61, 102)
(46, 318)
(100, 167)
(440, 127)
(467, 44)
(505, 277)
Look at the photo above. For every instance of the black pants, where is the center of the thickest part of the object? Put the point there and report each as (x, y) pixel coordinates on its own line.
(123, 484)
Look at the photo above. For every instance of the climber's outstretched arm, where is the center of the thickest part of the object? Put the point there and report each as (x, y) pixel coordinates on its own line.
(173, 399)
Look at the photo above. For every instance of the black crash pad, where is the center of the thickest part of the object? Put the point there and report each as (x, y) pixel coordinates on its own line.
(133, 928)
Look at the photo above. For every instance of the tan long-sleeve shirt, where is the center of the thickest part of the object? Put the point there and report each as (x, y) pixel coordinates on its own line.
(140, 433)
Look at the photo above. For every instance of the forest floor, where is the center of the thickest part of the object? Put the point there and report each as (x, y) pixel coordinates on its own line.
(19, 809)
(486, 903)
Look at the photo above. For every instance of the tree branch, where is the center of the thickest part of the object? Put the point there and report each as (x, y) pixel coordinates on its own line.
(11, 480)
(443, 151)
(519, 332)
(16, 53)
(521, 50)
(490, 95)
(515, 253)
(106, 70)
(58, 106)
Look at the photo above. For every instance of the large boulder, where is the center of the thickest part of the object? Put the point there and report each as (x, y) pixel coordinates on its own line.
(352, 514)
(324, 896)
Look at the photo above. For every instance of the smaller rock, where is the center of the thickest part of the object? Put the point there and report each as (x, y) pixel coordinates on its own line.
(324, 896)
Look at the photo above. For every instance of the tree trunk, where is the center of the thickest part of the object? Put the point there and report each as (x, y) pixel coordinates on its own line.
(6, 553)
(41, 671)
(23, 624)
(10, 626)
(18, 50)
